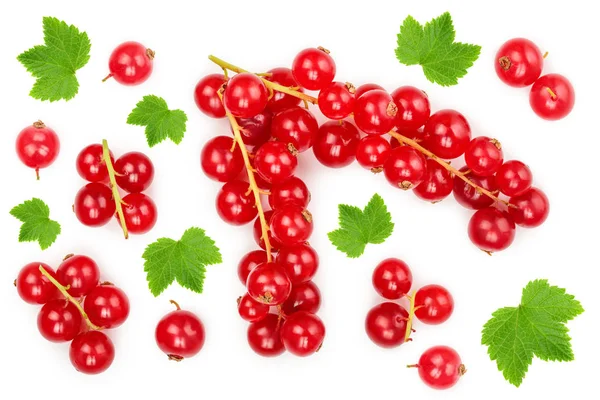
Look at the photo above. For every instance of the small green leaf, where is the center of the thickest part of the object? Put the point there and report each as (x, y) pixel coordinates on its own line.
(160, 122)
(37, 225)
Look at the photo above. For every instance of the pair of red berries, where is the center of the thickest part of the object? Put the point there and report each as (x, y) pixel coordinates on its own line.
(61, 320)
(519, 63)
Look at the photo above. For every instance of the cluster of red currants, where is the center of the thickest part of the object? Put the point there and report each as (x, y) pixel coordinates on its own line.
(63, 318)
(96, 203)
(519, 63)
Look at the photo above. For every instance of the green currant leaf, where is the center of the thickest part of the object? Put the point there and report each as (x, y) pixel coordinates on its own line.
(37, 225)
(160, 122)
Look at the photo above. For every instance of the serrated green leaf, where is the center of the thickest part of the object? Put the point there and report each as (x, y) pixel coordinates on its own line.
(55, 63)
(183, 260)
(37, 225)
(160, 122)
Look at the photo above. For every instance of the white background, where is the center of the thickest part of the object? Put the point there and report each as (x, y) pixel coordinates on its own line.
(432, 239)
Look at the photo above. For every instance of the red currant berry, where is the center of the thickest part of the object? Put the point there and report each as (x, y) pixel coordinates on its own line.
(295, 126)
(375, 112)
(336, 144)
(33, 287)
(291, 192)
(413, 108)
(256, 130)
(519, 62)
(274, 162)
(275, 244)
(405, 168)
(37, 146)
(235, 203)
(92, 352)
(386, 324)
(448, 134)
(313, 68)
(140, 213)
(264, 337)
(300, 262)
(206, 95)
(251, 310)
(130, 63)
(94, 204)
(433, 304)
(107, 306)
(372, 152)
(440, 367)
(59, 321)
(468, 196)
(90, 163)
(392, 278)
(303, 297)
(532, 208)
(491, 230)
(437, 183)
(552, 97)
(269, 284)
(180, 334)
(362, 89)
(336, 101)
(484, 156)
(302, 333)
(514, 178)
(249, 262)
(245, 95)
(221, 160)
(80, 273)
(134, 172)
(282, 101)
(291, 225)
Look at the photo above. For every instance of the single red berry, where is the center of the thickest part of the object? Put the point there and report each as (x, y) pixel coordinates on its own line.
(257, 231)
(392, 278)
(552, 97)
(433, 304)
(372, 152)
(519, 62)
(94, 204)
(282, 101)
(249, 262)
(245, 95)
(532, 208)
(302, 333)
(448, 134)
(92, 352)
(206, 95)
(336, 101)
(256, 131)
(269, 284)
(252, 310)
(313, 68)
(300, 262)
(362, 89)
(139, 212)
(130, 63)
(180, 334)
(468, 196)
(514, 178)
(437, 183)
(264, 336)
(375, 112)
(440, 367)
(413, 108)
(80, 273)
(484, 156)
(134, 172)
(386, 324)
(275, 162)
(33, 287)
(291, 225)
(221, 160)
(491, 230)
(295, 126)
(59, 321)
(106, 306)
(37, 146)
(336, 144)
(291, 192)
(235, 203)
(303, 297)
(90, 163)
(405, 168)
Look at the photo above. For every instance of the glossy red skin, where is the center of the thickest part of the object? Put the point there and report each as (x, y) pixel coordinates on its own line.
(264, 338)
(550, 107)
(433, 304)
(519, 62)
(513, 178)
(180, 334)
(206, 95)
(94, 204)
(251, 310)
(336, 101)
(413, 108)
(135, 172)
(282, 101)
(336, 144)
(291, 225)
(59, 321)
(249, 262)
(373, 151)
(437, 183)
(468, 197)
(302, 333)
(107, 306)
(386, 324)
(296, 126)
(300, 262)
(313, 69)
(129, 63)
(37, 148)
(274, 162)
(303, 297)
(405, 168)
(362, 89)
(234, 204)
(218, 162)
(440, 367)
(245, 95)
(447, 134)
(375, 112)
(532, 208)
(291, 192)
(90, 163)
(484, 156)
(269, 284)
(80, 273)
(140, 213)
(256, 130)
(491, 230)
(33, 287)
(392, 278)
(92, 352)
(257, 231)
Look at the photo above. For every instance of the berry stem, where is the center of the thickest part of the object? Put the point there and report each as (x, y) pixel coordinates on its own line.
(70, 298)
(411, 316)
(114, 187)
(176, 304)
(107, 77)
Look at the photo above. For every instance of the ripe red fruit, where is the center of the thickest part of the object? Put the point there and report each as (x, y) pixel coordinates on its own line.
(519, 62)
(256, 130)
(264, 336)
(372, 152)
(303, 297)
(80, 273)
(106, 306)
(33, 287)
(139, 212)
(249, 262)
(37, 146)
(282, 101)
(386, 324)
(336, 101)
(448, 134)
(484, 156)
(59, 321)
(90, 163)
(245, 95)
(491, 230)
(433, 304)
(440, 367)
(257, 230)
(375, 112)
(206, 95)
(295, 126)
(392, 278)
(180, 334)
(219, 162)
(291, 192)
(92, 352)
(291, 225)
(275, 162)
(437, 183)
(413, 108)
(300, 262)
(234, 204)
(362, 89)
(405, 168)
(130, 63)
(94, 204)
(251, 310)
(532, 208)
(336, 143)
(552, 97)
(269, 284)
(134, 172)
(513, 178)
(313, 68)
(469, 197)
(302, 333)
